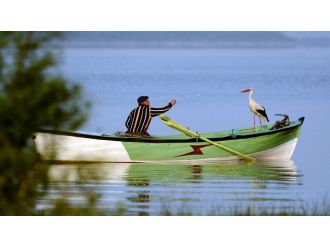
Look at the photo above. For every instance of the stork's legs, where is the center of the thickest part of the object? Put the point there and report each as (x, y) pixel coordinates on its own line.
(254, 123)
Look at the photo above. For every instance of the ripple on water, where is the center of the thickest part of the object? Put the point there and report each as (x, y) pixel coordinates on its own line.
(152, 189)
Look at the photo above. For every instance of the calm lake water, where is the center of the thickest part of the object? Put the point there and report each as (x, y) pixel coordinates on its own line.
(207, 85)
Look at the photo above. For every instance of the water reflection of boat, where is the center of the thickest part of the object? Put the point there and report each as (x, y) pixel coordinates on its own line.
(125, 172)
(176, 185)
(281, 171)
(143, 188)
(265, 144)
(100, 172)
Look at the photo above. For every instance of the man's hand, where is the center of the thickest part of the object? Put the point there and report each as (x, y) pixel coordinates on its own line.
(173, 102)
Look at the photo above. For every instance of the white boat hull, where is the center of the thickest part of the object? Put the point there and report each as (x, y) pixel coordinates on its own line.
(77, 149)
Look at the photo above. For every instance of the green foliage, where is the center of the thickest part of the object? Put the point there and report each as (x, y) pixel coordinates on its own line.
(33, 95)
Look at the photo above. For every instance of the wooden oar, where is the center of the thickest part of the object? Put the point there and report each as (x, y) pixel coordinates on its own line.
(175, 125)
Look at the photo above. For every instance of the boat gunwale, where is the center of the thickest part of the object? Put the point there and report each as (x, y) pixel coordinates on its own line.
(187, 140)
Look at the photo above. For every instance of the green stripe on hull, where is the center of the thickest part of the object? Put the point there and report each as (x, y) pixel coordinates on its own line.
(197, 150)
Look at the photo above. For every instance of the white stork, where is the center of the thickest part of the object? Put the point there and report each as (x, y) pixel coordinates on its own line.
(256, 108)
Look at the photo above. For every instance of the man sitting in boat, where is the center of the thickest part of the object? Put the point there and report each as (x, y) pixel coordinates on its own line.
(139, 119)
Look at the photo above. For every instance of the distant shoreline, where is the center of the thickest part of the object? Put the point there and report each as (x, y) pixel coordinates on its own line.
(181, 45)
(180, 39)
(194, 40)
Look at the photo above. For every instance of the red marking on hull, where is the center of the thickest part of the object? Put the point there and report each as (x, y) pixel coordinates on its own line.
(197, 150)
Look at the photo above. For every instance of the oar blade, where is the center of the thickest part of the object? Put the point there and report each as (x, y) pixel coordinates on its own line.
(175, 125)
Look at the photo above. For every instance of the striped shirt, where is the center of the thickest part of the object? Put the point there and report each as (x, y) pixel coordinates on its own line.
(139, 119)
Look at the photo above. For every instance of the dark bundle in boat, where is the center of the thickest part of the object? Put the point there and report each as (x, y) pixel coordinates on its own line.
(282, 123)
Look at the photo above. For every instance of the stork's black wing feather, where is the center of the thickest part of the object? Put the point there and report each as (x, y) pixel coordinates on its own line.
(263, 113)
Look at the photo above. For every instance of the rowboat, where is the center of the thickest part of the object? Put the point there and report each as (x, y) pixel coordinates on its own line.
(263, 143)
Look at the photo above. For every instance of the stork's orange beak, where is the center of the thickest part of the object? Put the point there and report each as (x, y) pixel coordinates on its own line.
(246, 90)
